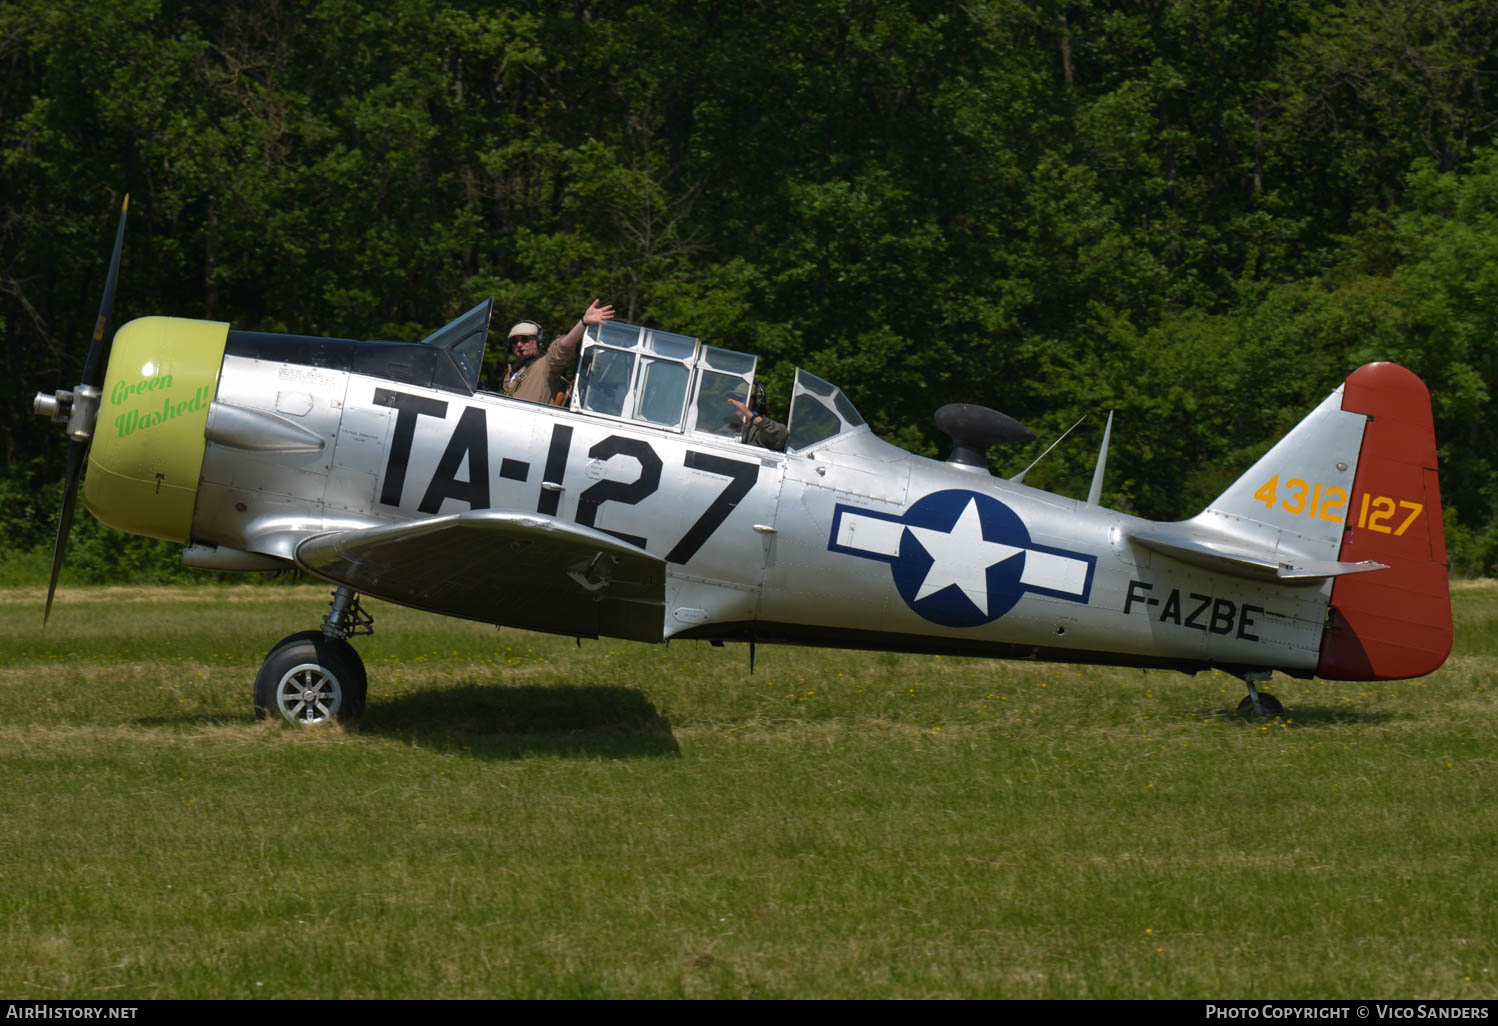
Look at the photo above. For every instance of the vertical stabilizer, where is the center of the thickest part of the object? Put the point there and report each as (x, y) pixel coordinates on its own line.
(1293, 503)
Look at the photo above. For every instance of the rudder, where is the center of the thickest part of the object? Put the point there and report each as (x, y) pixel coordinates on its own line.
(1393, 623)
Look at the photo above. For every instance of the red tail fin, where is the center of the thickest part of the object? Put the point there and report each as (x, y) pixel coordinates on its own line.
(1391, 623)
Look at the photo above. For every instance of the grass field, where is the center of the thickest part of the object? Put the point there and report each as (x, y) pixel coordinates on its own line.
(520, 817)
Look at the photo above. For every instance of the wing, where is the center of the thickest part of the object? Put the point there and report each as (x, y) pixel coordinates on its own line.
(495, 566)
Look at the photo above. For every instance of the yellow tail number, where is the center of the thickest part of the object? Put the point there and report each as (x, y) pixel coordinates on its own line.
(1378, 511)
(1318, 501)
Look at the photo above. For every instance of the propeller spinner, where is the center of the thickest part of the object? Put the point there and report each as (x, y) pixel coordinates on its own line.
(79, 409)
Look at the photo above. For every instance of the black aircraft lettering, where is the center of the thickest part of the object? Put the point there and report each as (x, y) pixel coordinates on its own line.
(742, 477)
(628, 492)
(1223, 613)
(408, 408)
(556, 469)
(1245, 622)
(470, 442)
(1194, 620)
(470, 438)
(1226, 617)
(1172, 610)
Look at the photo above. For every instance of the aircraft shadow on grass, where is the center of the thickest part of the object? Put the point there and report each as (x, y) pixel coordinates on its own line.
(1305, 716)
(614, 721)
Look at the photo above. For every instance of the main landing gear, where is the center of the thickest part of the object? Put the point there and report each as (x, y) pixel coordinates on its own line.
(316, 676)
(1258, 703)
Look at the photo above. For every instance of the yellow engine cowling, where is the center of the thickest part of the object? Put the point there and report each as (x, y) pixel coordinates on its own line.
(147, 450)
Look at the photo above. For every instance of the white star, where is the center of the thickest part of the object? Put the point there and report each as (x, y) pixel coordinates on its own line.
(962, 557)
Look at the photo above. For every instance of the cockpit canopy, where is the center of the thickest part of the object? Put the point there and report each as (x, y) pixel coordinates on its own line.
(819, 411)
(679, 383)
(670, 381)
(464, 338)
(657, 377)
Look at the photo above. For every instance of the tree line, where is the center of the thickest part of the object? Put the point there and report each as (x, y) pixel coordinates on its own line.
(1200, 214)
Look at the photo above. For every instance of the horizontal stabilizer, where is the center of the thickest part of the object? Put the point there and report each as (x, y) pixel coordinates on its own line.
(503, 567)
(1214, 555)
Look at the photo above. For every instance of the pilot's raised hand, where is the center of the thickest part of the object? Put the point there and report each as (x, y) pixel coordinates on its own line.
(743, 411)
(565, 348)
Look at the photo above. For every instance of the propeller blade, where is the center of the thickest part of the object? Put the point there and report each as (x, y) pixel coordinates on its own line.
(65, 522)
(93, 368)
(93, 375)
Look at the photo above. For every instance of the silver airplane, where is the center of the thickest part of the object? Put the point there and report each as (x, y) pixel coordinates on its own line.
(635, 510)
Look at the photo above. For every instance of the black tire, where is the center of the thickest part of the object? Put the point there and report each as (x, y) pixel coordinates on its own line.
(311, 678)
(1267, 702)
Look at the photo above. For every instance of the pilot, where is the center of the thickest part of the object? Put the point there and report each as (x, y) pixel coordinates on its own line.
(758, 429)
(534, 372)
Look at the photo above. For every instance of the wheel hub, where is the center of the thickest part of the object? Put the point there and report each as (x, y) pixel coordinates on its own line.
(309, 694)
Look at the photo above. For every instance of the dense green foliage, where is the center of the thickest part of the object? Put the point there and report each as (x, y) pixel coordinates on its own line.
(1201, 214)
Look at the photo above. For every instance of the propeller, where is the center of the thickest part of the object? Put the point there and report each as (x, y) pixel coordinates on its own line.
(79, 409)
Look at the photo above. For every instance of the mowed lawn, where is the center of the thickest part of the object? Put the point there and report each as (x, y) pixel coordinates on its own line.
(518, 816)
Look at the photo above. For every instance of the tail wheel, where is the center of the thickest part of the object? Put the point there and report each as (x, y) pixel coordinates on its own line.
(1268, 703)
(310, 678)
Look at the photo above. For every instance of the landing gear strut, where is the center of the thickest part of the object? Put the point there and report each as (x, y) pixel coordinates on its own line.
(1258, 703)
(316, 676)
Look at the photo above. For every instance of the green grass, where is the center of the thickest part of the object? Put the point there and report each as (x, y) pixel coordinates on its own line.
(518, 817)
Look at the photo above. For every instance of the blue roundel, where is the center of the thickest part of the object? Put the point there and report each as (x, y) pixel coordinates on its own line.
(961, 558)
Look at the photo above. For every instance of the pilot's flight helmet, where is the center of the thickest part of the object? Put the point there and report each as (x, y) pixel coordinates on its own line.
(757, 401)
(527, 328)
